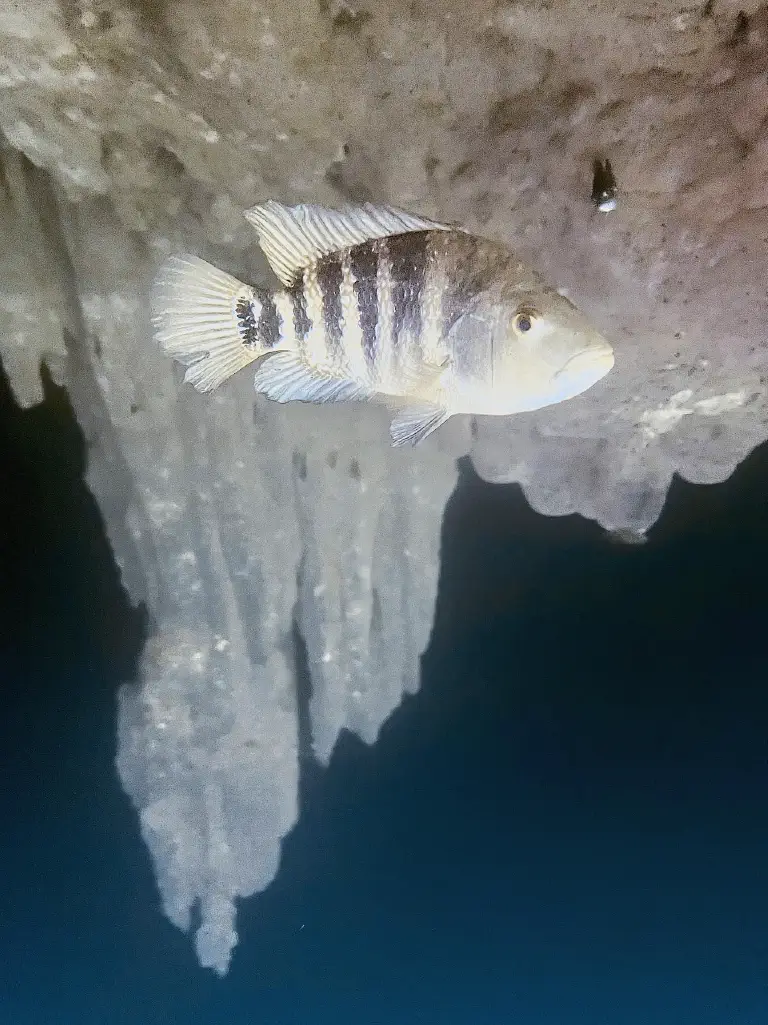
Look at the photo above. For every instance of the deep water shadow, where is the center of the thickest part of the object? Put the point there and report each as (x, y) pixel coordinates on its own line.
(568, 822)
(57, 567)
(549, 599)
(69, 636)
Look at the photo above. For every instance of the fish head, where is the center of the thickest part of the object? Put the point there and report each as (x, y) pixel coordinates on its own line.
(544, 351)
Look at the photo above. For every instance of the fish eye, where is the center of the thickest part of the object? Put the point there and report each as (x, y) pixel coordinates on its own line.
(523, 321)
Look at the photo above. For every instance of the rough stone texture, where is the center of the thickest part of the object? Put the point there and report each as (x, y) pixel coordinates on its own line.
(135, 128)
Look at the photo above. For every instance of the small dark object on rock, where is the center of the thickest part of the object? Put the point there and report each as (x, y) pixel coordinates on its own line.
(603, 186)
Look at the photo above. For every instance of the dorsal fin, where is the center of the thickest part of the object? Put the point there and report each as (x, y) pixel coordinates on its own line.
(293, 237)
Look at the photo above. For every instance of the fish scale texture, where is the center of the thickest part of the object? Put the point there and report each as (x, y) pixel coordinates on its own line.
(135, 129)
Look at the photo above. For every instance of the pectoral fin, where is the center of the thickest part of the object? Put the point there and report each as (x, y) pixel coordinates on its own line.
(283, 377)
(422, 378)
(414, 423)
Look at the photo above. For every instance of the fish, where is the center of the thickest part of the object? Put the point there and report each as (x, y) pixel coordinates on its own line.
(376, 304)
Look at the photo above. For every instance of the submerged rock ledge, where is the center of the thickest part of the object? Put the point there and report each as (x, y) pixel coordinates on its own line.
(131, 129)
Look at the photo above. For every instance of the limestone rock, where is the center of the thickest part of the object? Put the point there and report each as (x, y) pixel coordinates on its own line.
(132, 128)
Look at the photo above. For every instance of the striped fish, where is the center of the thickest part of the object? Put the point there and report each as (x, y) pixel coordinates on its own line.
(376, 304)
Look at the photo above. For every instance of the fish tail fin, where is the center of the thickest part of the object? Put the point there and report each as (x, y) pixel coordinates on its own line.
(206, 319)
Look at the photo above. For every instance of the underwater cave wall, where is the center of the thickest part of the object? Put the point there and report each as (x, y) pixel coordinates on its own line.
(132, 129)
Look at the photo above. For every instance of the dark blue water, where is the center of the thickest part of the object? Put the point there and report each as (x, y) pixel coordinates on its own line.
(567, 826)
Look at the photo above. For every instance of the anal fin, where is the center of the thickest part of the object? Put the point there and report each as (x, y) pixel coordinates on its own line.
(414, 423)
(284, 377)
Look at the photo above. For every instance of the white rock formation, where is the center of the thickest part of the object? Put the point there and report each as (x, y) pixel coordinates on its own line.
(133, 127)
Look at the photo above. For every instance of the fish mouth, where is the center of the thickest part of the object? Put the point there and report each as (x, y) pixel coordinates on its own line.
(590, 364)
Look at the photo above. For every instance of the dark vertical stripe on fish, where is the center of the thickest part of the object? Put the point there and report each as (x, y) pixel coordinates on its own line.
(268, 328)
(247, 324)
(464, 283)
(329, 283)
(364, 261)
(408, 259)
(301, 322)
